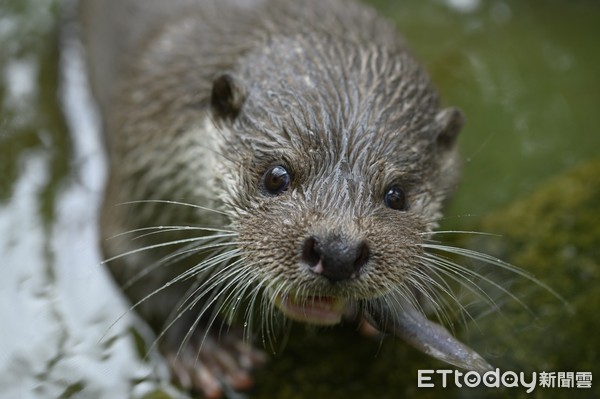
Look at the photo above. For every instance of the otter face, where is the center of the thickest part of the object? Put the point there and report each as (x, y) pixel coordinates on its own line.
(333, 190)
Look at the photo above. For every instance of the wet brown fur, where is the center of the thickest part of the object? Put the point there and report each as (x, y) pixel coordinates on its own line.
(325, 88)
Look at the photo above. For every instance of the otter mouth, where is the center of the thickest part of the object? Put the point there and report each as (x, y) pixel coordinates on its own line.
(317, 310)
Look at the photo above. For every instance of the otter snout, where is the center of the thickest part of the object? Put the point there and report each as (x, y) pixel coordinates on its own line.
(335, 257)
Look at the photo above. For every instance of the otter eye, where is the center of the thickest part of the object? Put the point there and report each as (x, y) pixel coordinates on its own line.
(395, 198)
(276, 180)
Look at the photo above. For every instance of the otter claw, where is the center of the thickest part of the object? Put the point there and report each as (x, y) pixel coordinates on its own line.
(215, 367)
(429, 337)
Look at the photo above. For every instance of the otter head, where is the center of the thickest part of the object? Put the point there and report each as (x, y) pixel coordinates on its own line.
(337, 162)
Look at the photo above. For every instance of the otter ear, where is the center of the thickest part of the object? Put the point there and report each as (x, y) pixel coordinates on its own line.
(449, 121)
(227, 97)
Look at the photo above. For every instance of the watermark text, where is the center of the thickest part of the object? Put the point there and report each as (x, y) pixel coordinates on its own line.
(509, 379)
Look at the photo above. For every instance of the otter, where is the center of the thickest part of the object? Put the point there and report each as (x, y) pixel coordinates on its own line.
(269, 160)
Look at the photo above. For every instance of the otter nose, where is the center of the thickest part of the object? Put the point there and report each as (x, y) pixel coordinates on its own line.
(335, 257)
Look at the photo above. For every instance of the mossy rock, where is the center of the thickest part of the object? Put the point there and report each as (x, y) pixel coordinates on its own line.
(555, 236)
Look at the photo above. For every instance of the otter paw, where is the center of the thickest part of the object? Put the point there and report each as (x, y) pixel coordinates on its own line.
(214, 366)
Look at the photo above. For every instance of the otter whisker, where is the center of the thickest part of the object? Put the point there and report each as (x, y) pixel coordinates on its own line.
(223, 277)
(179, 255)
(467, 232)
(170, 202)
(163, 231)
(160, 245)
(268, 322)
(168, 228)
(451, 268)
(223, 283)
(406, 295)
(188, 304)
(182, 276)
(236, 291)
(457, 274)
(218, 262)
(480, 257)
(431, 278)
(219, 258)
(248, 326)
(422, 288)
(241, 294)
(393, 301)
(243, 277)
(257, 286)
(275, 288)
(216, 302)
(491, 260)
(265, 308)
(466, 278)
(429, 287)
(139, 276)
(419, 282)
(441, 276)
